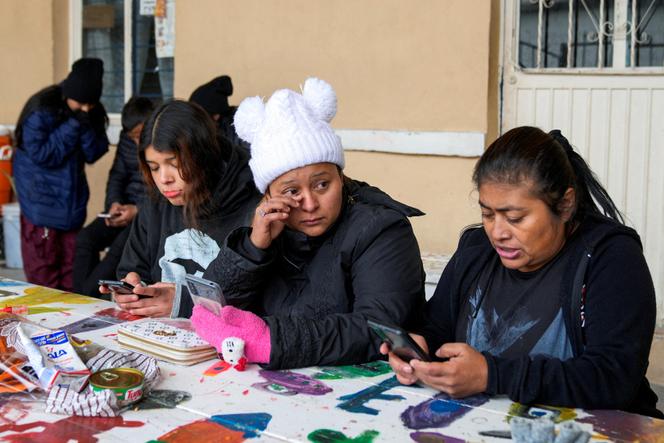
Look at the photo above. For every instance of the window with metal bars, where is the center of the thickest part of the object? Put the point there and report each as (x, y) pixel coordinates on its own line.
(134, 62)
(600, 34)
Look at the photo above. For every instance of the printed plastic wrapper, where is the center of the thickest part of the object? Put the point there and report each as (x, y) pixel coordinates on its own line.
(16, 373)
(29, 371)
(53, 358)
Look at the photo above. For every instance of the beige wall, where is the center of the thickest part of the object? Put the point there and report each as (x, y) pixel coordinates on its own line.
(60, 39)
(395, 66)
(26, 46)
(439, 186)
(493, 103)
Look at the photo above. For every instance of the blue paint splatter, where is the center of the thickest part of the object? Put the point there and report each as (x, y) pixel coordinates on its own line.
(250, 424)
(440, 411)
(8, 283)
(355, 402)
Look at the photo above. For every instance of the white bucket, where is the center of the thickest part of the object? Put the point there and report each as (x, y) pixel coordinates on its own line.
(11, 225)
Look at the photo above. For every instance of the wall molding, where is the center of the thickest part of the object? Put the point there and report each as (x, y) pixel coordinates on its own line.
(462, 144)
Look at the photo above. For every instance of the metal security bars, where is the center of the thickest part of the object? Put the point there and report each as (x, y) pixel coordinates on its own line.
(591, 33)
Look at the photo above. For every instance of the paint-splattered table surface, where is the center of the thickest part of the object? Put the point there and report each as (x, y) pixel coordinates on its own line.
(201, 403)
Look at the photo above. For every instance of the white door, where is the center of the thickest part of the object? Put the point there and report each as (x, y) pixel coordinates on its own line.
(595, 70)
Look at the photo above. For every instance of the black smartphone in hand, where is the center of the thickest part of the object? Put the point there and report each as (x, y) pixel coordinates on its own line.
(399, 342)
(119, 287)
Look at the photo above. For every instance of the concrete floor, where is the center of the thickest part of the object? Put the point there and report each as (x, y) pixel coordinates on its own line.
(14, 274)
(655, 372)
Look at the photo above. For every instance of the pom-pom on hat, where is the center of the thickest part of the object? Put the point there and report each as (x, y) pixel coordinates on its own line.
(84, 82)
(291, 130)
(213, 95)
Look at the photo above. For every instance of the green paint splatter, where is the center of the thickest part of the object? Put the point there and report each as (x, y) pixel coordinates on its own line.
(331, 436)
(371, 369)
(557, 414)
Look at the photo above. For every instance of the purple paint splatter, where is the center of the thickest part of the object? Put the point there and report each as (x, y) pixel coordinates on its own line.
(291, 383)
(440, 411)
(434, 437)
(621, 425)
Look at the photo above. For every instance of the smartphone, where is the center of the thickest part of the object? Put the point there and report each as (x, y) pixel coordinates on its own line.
(120, 287)
(205, 293)
(399, 342)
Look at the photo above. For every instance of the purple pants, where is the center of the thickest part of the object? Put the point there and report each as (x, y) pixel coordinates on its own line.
(48, 255)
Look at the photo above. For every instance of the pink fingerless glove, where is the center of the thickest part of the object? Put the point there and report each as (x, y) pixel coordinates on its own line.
(234, 322)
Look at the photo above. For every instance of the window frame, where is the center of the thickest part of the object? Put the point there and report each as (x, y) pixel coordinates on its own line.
(76, 52)
(620, 46)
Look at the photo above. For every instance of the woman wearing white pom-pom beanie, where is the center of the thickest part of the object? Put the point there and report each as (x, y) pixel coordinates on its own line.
(324, 253)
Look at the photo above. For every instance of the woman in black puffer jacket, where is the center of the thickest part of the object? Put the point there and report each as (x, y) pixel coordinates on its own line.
(323, 254)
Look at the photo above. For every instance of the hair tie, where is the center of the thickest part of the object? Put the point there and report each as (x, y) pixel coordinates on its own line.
(560, 138)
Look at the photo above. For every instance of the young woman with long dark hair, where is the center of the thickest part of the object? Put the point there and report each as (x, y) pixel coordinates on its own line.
(195, 200)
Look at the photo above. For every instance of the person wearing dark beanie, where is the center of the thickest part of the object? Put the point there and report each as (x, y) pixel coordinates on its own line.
(213, 97)
(60, 129)
(84, 82)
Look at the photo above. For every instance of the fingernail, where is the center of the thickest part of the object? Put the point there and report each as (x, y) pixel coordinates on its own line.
(407, 369)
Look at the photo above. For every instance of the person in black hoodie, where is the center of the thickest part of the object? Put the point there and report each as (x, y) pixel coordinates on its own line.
(552, 302)
(196, 199)
(124, 191)
(213, 97)
(324, 253)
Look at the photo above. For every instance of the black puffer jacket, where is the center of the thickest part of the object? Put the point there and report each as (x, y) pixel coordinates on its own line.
(610, 332)
(316, 293)
(125, 183)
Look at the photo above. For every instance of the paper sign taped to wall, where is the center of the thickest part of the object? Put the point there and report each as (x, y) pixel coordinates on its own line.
(147, 7)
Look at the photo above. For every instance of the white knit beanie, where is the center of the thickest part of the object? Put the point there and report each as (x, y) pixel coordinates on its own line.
(290, 131)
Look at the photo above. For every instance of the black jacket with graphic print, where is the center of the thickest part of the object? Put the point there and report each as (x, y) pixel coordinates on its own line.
(610, 351)
(316, 293)
(161, 247)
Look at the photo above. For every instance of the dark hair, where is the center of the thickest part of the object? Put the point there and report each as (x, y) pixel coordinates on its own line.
(185, 129)
(135, 112)
(549, 161)
(52, 100)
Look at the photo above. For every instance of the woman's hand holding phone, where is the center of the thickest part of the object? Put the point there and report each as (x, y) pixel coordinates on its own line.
(119, 215)
(403, 370)
(121, 288)
(156, 300)
(464, 372)
(152, 301)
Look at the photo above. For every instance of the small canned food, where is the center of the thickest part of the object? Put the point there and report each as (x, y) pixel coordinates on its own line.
(127, 383)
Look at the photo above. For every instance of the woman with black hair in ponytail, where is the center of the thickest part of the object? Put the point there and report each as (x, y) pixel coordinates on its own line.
(552, 301)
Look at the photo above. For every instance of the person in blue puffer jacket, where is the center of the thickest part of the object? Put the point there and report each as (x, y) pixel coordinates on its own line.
(60, 128)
